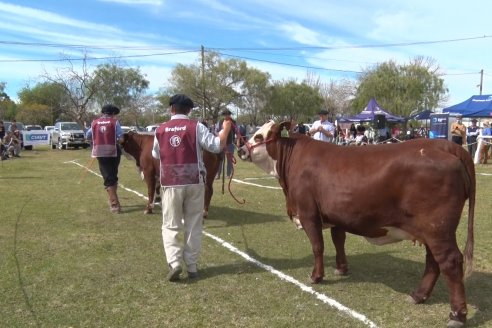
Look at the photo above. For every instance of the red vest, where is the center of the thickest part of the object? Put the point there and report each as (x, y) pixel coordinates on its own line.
(178, 152)
(104, 137)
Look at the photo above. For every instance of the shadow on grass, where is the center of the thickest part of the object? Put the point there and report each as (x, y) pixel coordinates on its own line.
(401, 275)
(237, 217)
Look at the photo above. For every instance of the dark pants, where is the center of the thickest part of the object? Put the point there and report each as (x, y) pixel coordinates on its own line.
(472, 146)
(457, 139)
(108, 166)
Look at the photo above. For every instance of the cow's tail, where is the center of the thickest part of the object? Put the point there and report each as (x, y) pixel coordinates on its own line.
(470, 172)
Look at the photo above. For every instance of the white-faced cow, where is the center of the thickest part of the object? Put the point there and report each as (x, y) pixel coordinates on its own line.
(414, 190)
(138, 147)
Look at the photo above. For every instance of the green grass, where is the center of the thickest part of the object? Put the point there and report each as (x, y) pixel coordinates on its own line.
(66, 261)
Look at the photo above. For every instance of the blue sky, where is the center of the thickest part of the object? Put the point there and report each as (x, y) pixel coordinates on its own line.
(332, 39)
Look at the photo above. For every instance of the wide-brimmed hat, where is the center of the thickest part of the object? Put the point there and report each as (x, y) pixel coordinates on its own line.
(110, 109)
(474, 120)
(323, 112)
(181, 99)
(226, 112)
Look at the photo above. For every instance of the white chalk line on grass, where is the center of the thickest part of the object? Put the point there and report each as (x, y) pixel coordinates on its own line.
(256, 185)
(322, 297)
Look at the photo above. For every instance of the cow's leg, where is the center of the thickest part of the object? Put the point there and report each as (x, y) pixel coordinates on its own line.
(431, 274)
(313, 230)
(450, 260)
(338, 236)
(209, 191)
(150, 181)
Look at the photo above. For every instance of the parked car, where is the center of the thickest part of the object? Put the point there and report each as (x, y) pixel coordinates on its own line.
(68, 134)
(151, 128)
(49, 128)
(33, 127)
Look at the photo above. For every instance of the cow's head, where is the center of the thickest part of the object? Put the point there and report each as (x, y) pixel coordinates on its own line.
(128, 145)
(260, 147)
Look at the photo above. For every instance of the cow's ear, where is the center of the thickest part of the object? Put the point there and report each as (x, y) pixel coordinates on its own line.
(284, 127)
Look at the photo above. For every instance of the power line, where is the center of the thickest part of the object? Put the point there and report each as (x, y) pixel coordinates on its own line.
(94, 58)
(384, 45)
(288, 64)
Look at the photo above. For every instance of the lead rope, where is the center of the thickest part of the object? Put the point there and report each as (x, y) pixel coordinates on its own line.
(233, 161)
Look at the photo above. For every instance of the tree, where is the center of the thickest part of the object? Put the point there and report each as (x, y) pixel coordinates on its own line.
(48, 94)
(217, 87)
(289, 99)
(79, 87)
(118, 86)
(255, 93)
(337, 95)
(7, 106)
(402, 89)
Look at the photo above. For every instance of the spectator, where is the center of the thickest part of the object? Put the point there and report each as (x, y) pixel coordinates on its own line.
(13, 143)
(323, 129)
(458, 130)
(229, 148)
(484, 149)
(2, 135)
(471, 137)
(361, 138)
(106, 134)
(13, 126)
(178, 145)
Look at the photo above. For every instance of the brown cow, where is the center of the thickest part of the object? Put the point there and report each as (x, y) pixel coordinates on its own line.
(139, 147)
(414, 190)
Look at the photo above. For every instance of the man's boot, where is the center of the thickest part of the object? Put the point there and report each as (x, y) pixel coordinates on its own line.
(114, 204)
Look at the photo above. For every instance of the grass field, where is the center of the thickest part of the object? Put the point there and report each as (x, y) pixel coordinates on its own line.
(66, 261)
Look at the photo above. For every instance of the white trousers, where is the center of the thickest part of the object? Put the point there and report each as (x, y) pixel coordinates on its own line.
(182, 211)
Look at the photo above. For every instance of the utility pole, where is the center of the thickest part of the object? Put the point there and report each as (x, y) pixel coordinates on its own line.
(203, 83)
(481, 80)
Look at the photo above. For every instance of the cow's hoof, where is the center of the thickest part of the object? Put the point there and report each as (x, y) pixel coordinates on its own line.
(455, 324)
(339, 272)
(316, 280)
(205, 214)
(148, 212)
(410, 299)
(414, 299)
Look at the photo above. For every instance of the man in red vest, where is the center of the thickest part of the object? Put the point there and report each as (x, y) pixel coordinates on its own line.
(178, 144)
(106, 134)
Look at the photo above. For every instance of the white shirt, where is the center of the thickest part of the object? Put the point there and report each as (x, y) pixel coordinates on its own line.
(205, 139)
(327, 125)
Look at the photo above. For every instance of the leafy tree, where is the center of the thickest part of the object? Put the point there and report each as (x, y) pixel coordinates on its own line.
(118, 86)
(255, 93)
(402, 89)
(50, 96)
(216, 88)
(7, 106)
(289, 99)
(35, 114)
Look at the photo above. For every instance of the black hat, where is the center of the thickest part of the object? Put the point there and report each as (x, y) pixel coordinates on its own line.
(110, 110)
(226, 112)
(181, 99)
(323, 112)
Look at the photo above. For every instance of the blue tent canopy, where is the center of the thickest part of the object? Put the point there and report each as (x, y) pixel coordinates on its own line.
(369, 114)
(475, 106)
(423, 115)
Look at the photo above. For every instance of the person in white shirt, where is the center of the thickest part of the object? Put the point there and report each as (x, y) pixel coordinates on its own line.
(322, 129)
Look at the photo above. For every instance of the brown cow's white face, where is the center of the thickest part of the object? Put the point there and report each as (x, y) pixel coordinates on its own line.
(256, 151)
